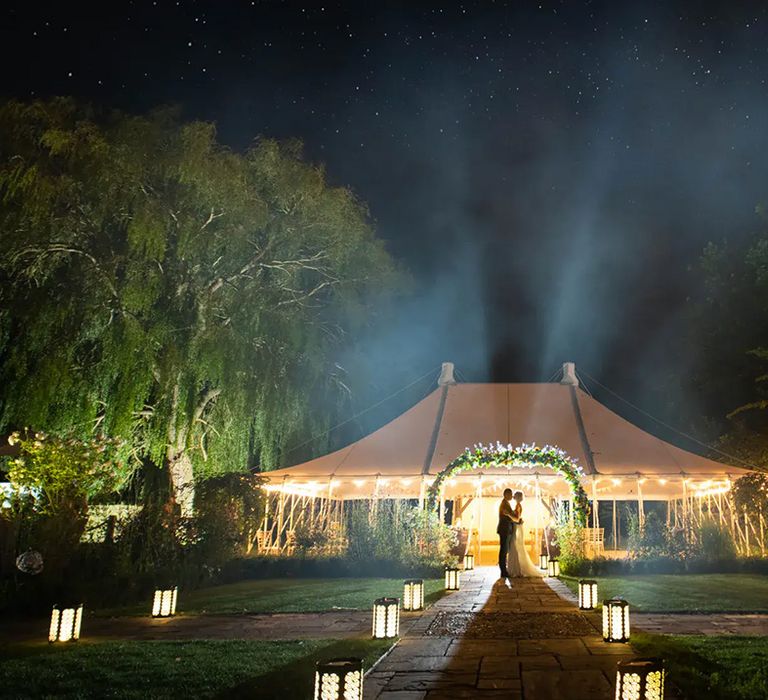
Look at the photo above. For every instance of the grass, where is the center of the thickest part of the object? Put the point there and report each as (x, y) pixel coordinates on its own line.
(292, 595)
(157, 670)
(686, 592)
(716, 668)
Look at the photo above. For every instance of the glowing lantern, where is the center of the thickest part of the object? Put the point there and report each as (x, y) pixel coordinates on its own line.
(386, 618)
(164, 603)
(587, 594)
(413, 594)
(615, 620)
(339, 679)
(640, 679)
(65, 624)
(452, 578)
(543, 562)
(469, 562)
(553, 567)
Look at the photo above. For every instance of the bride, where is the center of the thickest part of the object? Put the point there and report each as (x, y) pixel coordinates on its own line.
(518, 561)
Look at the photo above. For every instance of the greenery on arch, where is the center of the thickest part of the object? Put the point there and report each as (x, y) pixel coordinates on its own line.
(530, 456)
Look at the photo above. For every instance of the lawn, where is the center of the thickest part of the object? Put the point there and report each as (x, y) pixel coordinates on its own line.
(715, 668)
(156, 670)
(686, 592)
(289, 595)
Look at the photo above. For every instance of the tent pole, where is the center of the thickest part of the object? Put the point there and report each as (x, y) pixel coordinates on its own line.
(640, 509)
(614, 524)
(479, 517)
(422, 489)
(537, 538)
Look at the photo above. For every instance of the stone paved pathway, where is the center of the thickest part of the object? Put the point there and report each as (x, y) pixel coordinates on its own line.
(560, 655)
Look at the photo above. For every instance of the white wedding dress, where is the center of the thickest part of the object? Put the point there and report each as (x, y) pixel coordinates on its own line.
(518, 561)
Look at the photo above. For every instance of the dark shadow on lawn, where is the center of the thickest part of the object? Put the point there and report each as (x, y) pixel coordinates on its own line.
(296, 679)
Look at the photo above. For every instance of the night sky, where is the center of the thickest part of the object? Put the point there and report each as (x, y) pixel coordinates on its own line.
(547, 171)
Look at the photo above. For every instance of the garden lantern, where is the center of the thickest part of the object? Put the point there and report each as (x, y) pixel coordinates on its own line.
(587, 594)
(339, 679)
(452, 578)
(615, 620)
(543, 562)
(469, 562)
(640, 678)
(553, 568)
(164, 603)
(65, 624)
(386, 618)
(413, 594)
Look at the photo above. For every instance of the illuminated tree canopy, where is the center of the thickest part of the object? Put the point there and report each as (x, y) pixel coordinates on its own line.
(529, 456)
(160, 288)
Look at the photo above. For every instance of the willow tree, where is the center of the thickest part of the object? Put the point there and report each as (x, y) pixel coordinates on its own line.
(160, 288)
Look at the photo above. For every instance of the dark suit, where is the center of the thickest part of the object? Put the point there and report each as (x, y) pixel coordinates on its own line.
(505, 532)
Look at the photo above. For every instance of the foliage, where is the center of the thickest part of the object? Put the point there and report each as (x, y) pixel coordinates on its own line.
(229, 509)
(750, 493)
(654, 538)
(715, 543)
(569, 537)
(63, 473)
(528, 456)
(400, 532)
(168, 292)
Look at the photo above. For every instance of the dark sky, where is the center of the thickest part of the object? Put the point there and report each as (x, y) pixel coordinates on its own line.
(546, 170)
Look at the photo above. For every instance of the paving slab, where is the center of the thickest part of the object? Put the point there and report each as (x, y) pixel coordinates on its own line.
(494, 638)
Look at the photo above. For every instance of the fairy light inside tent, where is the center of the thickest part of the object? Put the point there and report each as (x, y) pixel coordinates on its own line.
(339, 679)
(640, 679)
(413, 594)
(386, 618)
(164, 602)
(615, 620)
(452, 578)
(65, 624)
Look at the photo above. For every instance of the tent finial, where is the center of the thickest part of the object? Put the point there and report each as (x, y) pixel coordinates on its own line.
(569, 374)
(446, 375)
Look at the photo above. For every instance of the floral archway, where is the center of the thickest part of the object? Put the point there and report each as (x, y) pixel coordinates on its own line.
(530, 456)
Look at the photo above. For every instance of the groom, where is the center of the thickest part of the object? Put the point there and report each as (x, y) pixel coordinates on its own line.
(505, 530)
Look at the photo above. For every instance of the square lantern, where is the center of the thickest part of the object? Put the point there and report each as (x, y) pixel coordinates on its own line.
(587, 594)
(469, 562)
(65, 624)
(452, 578)
(386, 618)
(543, 562)
(553, 567)
(640, 678)
(615, 620)
(413, 594)
(164, 603)
(339, 679)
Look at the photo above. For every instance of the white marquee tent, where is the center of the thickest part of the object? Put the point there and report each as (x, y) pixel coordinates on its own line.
(620, 461)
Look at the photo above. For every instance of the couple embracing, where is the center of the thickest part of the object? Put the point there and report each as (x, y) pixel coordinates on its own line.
(513, 557)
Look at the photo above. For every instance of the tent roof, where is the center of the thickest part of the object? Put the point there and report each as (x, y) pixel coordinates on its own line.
(424, 439)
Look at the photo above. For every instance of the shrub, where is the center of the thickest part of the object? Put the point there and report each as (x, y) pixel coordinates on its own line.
(569, 538)
(397, 531)
(715, 543)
